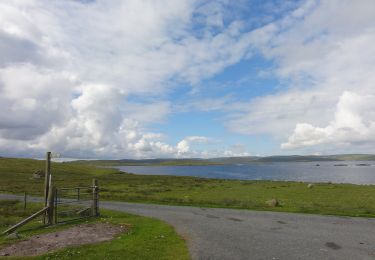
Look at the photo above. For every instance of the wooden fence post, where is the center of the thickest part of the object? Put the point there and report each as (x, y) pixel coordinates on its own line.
(95, 198)
(50, 204)
(47, 181)
(55, 208)
(24, 200)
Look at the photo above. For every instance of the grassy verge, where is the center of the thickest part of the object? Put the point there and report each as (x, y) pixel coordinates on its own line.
(335, 199)
(11, 212)
(147, 239)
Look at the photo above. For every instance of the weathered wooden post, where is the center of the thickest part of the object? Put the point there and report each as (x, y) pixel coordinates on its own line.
(55, 208)
(46, 177)
(24, 200)
(47, 181)
(50, 205)
(78, 193)
(95, 198)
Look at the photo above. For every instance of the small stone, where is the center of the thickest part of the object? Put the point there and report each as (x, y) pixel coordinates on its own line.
(273, 203)
(310, 186)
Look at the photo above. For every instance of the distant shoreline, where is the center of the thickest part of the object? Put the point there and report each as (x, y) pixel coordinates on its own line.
(230, 160)
(293, 196)
(351, 172)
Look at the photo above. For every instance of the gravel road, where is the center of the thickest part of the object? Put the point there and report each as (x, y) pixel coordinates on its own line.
(244, 234)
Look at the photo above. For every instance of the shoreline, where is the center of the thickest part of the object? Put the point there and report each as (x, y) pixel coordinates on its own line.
(297, 197)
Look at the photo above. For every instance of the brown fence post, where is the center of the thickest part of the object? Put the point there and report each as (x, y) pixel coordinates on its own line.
(47, 181)
(55, 207)
(50, 204)
(95, 198)
(24, 200)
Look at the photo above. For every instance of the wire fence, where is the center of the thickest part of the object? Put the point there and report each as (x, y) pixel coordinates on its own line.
(75, 203)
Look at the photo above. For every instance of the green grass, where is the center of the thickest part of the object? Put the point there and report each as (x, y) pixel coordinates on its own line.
(147, 238)
(12, 211)
(335, 199)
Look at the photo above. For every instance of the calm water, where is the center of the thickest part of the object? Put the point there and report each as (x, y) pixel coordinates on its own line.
(301, 171)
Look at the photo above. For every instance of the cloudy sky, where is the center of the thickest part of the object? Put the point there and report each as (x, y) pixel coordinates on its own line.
(161, 78)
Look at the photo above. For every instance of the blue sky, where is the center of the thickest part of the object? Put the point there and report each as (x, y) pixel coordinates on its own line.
(239, 82)
(189, 78)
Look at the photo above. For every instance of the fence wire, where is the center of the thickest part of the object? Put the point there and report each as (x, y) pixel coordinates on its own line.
(73, 203)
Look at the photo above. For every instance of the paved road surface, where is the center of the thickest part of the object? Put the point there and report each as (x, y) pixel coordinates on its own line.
(243, 234)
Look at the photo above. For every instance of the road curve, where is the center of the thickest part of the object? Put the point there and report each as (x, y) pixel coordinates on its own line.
(213, 233)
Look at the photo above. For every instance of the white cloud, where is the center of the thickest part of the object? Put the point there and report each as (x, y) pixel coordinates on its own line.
(69, 68)
(33, 100)
(353, 123)
(184, 146)
(323, 51)
(188, 148)
(236, 150)
(69, 71)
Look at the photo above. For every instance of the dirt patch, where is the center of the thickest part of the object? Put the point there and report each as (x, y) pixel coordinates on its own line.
(76, 235)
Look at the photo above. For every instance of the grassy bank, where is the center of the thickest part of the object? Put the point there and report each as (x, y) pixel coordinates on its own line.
(336, 199)
(147, 238)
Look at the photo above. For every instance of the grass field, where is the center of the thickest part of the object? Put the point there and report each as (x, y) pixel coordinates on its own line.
(324, 198)
(147, 239)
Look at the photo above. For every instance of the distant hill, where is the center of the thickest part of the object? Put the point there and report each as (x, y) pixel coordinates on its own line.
(234, 160)
(161, 162)
(231, 160)
(354, 157)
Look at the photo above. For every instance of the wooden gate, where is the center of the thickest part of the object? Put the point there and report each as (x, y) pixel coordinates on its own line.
(64, 204)
(76, 203)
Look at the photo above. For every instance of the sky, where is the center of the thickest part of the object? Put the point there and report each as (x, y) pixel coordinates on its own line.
(188, 78)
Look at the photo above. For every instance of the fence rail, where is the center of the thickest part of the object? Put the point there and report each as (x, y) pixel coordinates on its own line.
(83, 202)
(76, 203)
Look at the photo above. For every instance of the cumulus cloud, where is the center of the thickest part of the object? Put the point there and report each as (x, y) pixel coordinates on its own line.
(188, 148)
(323, 50)
(86, 78)
(33, 99)
(183, 147)
(353, 123)
(69, 72)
